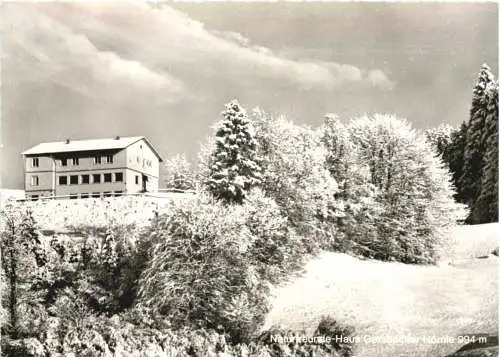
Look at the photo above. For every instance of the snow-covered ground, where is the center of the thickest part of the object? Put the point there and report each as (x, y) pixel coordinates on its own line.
(476, 241)
(59, 214)
(399, 301)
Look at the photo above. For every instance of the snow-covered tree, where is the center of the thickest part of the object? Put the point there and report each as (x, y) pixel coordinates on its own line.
(295, 173)
(485, 209)
(19, 256)
(235, 166)
(356, 193)
(476, 140)
(411, 185)
(339, 149)
(179, 174)
(441, 139)
(204, 162)
(450, 144)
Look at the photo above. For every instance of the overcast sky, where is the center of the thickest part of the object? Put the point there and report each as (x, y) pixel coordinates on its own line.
(90, 70)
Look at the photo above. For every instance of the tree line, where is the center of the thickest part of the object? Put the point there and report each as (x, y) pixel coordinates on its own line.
(471, 151)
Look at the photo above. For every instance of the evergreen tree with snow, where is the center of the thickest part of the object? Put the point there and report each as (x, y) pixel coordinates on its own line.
(476, 141)
(235, 166)
(485, 209)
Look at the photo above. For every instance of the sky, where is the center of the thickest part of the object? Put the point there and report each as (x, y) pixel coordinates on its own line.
(165, 70)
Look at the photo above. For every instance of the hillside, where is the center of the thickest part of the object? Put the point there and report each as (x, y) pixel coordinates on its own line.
(398, 300)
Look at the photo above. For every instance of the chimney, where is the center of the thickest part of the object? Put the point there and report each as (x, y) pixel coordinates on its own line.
(117, 137)
(67, 141)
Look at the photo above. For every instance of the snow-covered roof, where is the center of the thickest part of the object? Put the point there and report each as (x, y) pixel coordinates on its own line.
(87, 145)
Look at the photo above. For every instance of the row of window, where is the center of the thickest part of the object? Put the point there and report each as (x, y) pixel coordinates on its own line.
(85, 179)
(35, 162)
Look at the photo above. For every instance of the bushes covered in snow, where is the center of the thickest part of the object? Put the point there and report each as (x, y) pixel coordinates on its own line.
(212, 264)
(200, 275)
(120, 336)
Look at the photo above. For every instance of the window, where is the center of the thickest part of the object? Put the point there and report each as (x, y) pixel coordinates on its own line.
(118, 193)
(107, 194)
(109, 159)
(85, 179)
(34, 197)
(76, 161)
(96, 178)
(34, 181)
(97, 160)
(64, 162)
(73, 180)
(35, 162)
(107, 177)
(73, 196)
(84, 195)
(136, 179)
(96, 195)
(118, 176)
(63, 180)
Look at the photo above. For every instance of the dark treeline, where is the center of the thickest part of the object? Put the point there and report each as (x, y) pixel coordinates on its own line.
(471, 151)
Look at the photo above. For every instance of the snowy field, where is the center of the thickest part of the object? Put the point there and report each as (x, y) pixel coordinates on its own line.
(476, 241)
(403, 302)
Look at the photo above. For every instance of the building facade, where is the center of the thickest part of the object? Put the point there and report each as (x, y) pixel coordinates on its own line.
(91, 168)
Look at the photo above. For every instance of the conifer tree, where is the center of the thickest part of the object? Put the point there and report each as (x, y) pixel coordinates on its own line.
(485, 209)
(235, 166)
(475, 141)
